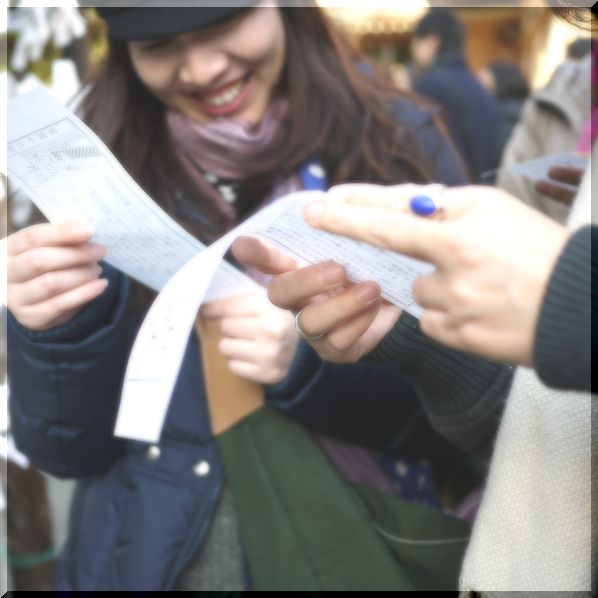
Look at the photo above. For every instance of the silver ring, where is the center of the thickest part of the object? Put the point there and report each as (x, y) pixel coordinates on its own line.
(302, 334)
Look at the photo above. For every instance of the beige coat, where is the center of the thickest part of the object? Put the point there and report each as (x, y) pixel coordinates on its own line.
(534, 531)
(551, 122)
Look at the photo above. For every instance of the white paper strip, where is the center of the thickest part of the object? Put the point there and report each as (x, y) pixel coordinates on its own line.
(69, 174)
(159, 347)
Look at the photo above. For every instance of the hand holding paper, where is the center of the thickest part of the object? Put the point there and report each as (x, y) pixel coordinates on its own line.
(493, 256)
(71, 175)
(52, 272)
(350, 318)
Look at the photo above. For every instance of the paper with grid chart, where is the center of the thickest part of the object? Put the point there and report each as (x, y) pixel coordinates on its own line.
(71, 175)
(158, 350)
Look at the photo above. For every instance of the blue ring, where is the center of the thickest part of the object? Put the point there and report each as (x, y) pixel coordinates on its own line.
(422, 205)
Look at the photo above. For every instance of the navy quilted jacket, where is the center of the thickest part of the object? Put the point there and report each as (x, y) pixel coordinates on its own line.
(141, 512)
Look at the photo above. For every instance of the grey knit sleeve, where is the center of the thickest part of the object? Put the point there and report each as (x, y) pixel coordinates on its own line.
(562, 345)
(462, 394)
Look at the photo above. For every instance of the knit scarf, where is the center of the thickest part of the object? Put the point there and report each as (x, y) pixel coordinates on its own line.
(234, 151)
(230, 150)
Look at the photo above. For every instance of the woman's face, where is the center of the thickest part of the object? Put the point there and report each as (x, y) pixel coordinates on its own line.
(228, 70)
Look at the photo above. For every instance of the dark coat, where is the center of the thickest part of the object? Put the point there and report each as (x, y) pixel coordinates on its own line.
(470, 112)
(139, 512)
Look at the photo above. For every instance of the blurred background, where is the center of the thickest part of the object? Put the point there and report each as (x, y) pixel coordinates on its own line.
(513, 51)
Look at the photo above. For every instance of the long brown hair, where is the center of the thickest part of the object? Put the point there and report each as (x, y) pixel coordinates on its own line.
(341, 113)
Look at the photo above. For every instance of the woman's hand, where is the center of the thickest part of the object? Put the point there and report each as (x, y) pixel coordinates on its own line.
(493, 257)
(259, 340)
(52, 272)
(350, 320)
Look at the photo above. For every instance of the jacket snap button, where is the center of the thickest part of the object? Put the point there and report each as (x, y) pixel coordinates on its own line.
(153, 453)
(202, 469)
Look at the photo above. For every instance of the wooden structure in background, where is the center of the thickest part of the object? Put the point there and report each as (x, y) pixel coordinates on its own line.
(30, 543)
(521, 34)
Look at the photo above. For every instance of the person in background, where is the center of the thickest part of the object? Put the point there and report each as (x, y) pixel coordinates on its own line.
(552, 121)
(509, 85)
(442, 74)
(400, 76)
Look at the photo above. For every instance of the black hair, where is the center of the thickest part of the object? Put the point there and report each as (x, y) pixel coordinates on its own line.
(510, 82)
(443, 23)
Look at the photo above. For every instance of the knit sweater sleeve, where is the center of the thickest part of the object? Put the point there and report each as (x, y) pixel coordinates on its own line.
(564, 334)
(463, 395)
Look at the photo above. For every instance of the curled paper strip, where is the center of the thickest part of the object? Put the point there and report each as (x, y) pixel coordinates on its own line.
(71, 176)
(158, 350)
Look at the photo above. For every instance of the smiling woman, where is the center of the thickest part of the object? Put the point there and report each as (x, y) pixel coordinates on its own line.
(225, 71)
(217, 112)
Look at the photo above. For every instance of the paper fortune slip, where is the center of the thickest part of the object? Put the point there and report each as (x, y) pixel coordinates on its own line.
(72, 176)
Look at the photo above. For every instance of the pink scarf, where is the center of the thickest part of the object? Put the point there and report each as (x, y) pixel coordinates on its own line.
(227, 148)
(231, 150)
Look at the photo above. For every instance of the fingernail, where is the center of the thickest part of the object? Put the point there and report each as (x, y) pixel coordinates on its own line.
(367, 292)
(313, 212)
(332, 272)
(83, 230)
(101, 284)
(98, 251)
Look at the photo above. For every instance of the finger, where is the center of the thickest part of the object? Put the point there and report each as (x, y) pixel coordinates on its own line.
(376, 196)
(431, 292)
(267, 259)
(556, 192)
(51, 284)
(245, 369)
(571, 176)
(42, 315)
(235, 348)
(245, 328)
(347, 335)
(30, 264)
(238, 306)
(46, 235)
(409, 235)
(398, 198)
(322, 318)
(293, 289)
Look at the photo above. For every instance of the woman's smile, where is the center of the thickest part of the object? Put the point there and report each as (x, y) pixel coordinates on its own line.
(220, 72)
(226, 99)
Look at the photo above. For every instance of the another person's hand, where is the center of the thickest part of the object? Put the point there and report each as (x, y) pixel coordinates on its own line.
(52, 273)
(258, 339)
(342, 321)
(570, 176)
(493, 257)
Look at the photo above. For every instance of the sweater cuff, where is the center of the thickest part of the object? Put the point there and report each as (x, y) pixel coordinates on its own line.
(562, 346)
(453, 381)
(462, 394)
(302, 371)
(88, 320)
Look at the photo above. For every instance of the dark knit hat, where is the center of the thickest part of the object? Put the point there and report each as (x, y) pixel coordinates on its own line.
(145, 19)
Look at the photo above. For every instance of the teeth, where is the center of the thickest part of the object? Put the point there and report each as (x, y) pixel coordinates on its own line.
(226, 97)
